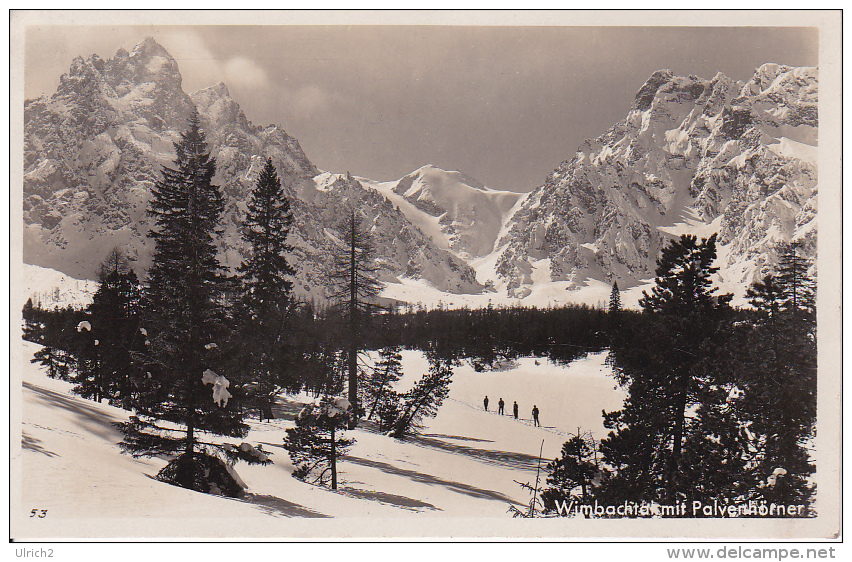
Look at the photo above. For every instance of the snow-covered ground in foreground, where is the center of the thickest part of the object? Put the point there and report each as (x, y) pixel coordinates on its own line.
(464, 463)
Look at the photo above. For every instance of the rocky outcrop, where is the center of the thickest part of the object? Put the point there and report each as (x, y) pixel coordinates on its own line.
(692, 155)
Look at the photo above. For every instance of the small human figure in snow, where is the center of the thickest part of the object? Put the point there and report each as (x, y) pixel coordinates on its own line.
(485, 403)
(515, 409)
(500, 406)
(535, 416)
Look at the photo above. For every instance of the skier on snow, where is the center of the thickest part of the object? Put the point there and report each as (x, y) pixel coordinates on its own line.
(500, 405)
(535, 416)
(515, 409)
(485, 402)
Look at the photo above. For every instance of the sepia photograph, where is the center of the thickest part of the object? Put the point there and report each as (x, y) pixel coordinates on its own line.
(425, 275)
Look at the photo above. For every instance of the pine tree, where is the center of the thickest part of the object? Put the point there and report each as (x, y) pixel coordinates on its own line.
(56, 330)
(778, 378)
(184, 317)
(799, 293)
(48, 357)
(88, 375)
(114, 316)
(266, 289)
(354, 286)
(29, 314)
(388, 410)
(571, 477)
(425, 398)
(316, 442)
(766, 297)
(614, 299)
(387, 371)
(665, 360)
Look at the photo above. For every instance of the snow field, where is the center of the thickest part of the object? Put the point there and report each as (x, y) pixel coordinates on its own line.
(464, 463)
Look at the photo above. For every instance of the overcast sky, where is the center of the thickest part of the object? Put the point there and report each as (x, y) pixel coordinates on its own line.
(504, 104)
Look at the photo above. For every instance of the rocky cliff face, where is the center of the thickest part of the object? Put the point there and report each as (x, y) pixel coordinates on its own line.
(93, 150)
(692, 155)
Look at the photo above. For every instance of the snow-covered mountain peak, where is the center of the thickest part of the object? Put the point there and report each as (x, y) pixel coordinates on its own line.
(648, 91)
(218, 107)
(435, 175)
(94, 149)
(691, 155)
(148, 48)
(469, 215)
(220, 89)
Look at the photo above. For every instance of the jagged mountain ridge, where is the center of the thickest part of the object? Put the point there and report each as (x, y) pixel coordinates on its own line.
(692, 155)
(93, 151)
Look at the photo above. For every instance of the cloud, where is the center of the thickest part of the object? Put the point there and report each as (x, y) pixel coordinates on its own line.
(307, 100)
(241, 71)
(200, 67)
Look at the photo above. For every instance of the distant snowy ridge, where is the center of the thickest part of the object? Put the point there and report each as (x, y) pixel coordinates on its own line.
(468, 215)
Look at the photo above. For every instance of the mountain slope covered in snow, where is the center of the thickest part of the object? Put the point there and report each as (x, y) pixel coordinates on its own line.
(691, 156)
(468, 216)
(464, 464)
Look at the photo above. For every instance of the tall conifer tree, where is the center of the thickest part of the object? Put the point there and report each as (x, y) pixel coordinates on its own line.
(184, 311)
(114, 316)
(659, 451)
(387, 371)
(266, 288)
(354, 286)
(777, 366)
(426, 397)
(614, 299)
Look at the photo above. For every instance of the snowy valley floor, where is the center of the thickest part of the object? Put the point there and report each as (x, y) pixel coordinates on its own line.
(463, 464)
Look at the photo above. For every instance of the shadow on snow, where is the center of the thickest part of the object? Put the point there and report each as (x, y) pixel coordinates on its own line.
(430, 479)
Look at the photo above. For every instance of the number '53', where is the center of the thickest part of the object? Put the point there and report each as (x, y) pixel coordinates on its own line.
(41, 513)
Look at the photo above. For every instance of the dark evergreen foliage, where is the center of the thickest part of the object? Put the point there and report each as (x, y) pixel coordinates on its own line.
(378, 386)
(425, 398)
(114, 317)
(656, 450)
(317, 441)
(262, 313)
(31, 324)
(265, 274)
(614, 299)
(389, 410)
(487, 335)
(203, 473)
(88, 374)
(185, 311)
(572, 476)
(775, 402)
